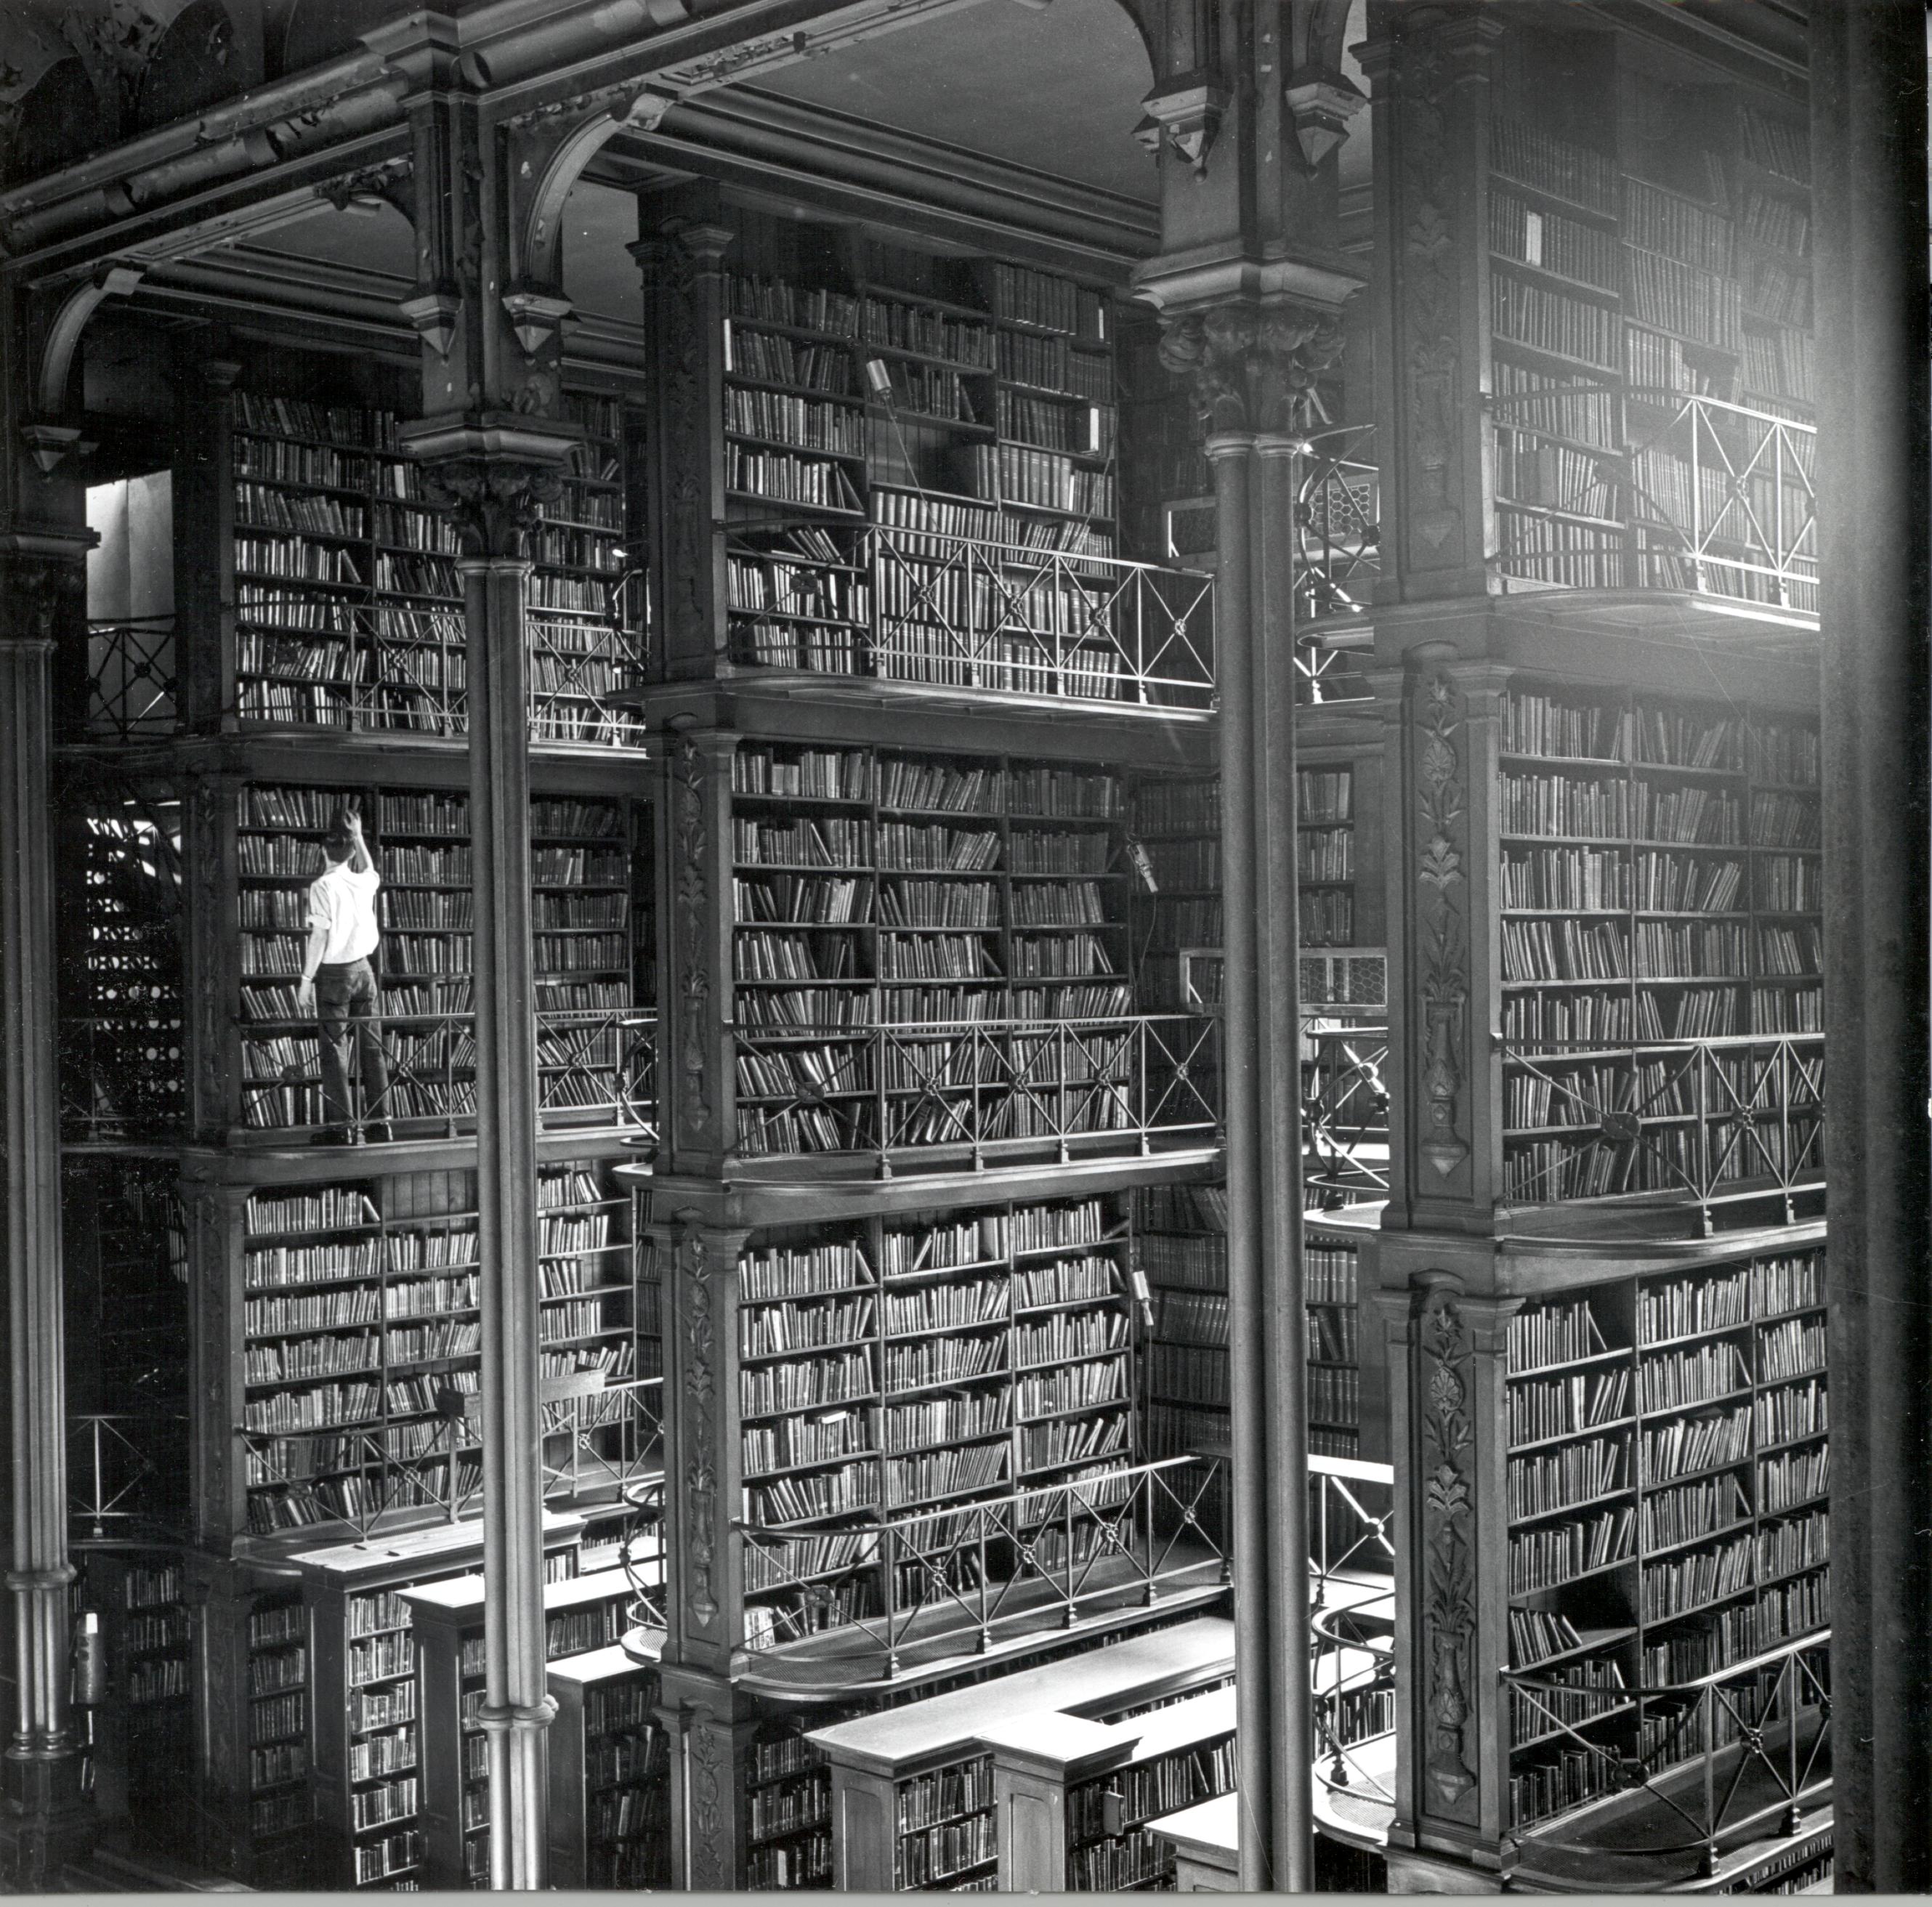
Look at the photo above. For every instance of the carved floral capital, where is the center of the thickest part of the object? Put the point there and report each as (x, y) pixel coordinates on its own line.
(494, 502)
(1253, 367)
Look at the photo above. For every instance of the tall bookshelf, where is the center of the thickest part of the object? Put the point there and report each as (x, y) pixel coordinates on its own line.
(348, 606)
(1617, 292)
(1658, 883)
(901, 709)
(1667, 1473)
(610, 1773)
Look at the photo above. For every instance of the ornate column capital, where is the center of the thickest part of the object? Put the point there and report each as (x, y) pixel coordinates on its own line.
(45, 578)
(1252, 366)
(492, 482)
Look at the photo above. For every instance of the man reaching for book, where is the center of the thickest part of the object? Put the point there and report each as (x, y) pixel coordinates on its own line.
(338, 985)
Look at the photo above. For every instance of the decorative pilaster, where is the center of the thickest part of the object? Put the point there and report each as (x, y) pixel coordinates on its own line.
(698, 1117)
(710, 1727)
(218, 1603)
(204, 514)
(217, 1485)
(1442, 742)
(698, 1269)
(1430, 69)
(1448, 1357)
(685, 310)
(212, 955)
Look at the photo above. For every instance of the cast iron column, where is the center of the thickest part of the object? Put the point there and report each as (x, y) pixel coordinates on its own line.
(494, 495)
(1278, 978)
(40, 591)
(1231, 455)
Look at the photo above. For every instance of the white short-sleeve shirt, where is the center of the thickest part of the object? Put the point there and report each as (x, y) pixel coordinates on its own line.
(342, 903)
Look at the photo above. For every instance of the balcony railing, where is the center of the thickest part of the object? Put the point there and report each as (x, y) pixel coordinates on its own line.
(1716, 1122)
(1352, 1594)
(982, 1087)
(1344, 1112)
(368, 1474)
(124, 1078)
(955, 612)
(1720, 502)
(1338, 512)
(389, 672)
(972, 1577)
(1734, 1756)
(130, 679)
(127, 1477)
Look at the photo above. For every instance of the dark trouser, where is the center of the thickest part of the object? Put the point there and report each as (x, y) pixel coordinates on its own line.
(346, 996)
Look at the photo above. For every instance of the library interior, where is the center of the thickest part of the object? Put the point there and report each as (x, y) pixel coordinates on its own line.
(915, 919)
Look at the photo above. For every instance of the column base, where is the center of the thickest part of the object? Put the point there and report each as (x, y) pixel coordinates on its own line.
(1411, 1871)
(46, 1823)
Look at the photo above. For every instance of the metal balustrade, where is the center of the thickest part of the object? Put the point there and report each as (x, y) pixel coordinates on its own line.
(370, 1470)
(1740, 1753)
(1719, 500)
(1002, 1567)
(127, 1477)
(1716, 1121)
(1337, 561)
(1344, 1112)
(957, 612)
(988, 1086)
(399, 673)
(131, 674)
(1352, 1653)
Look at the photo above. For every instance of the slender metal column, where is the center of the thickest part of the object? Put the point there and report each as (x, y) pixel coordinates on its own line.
(1278, 979)
(44, 1806)
(516, 1709)
(1231, 455)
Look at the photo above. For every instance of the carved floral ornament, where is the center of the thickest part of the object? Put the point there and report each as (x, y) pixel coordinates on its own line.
(1448, 1585)
(699, 1539)
(494, 503)
(1443, 934)
(1252, 366)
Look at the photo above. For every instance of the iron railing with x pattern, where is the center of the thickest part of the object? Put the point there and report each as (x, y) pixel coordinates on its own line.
(596, 1067)
(388, 670)
(1338, 509)
(971, 1575)
(1344, 1112)
(1719, 500)
(986, 1087)
(1717, 1122)
(130, 678)
(1738, 1754)
(127, 1477)
(958, 612)
(1351, 1597)
(602, 1440)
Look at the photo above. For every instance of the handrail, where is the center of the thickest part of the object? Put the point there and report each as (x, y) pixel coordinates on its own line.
(948, 609)
(1754, 1705)
(130, 678)
(1031, 1556)
(988, 1086)
(1724, 1120)
(110, 1472)
(389, 1475)
(1351, 1655)
(1719, 500)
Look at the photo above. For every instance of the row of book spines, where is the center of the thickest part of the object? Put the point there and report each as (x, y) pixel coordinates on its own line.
(1767, 750)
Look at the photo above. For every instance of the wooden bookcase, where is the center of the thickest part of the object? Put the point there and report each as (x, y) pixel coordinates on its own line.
(369, 1760)
(610, 1769)
(1667, 1466)
(908, 1054)
(584, 1614)
(347, 604)
(911, 1788)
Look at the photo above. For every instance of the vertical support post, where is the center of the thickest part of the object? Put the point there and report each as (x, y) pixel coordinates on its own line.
(211, 954)
(686, 313)
(710, 1727)
(1232, 460)
(1271, 696)
(45, 1822)
(698, 1118)
(218, 1491)
(205, 693)
(1868, 133)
